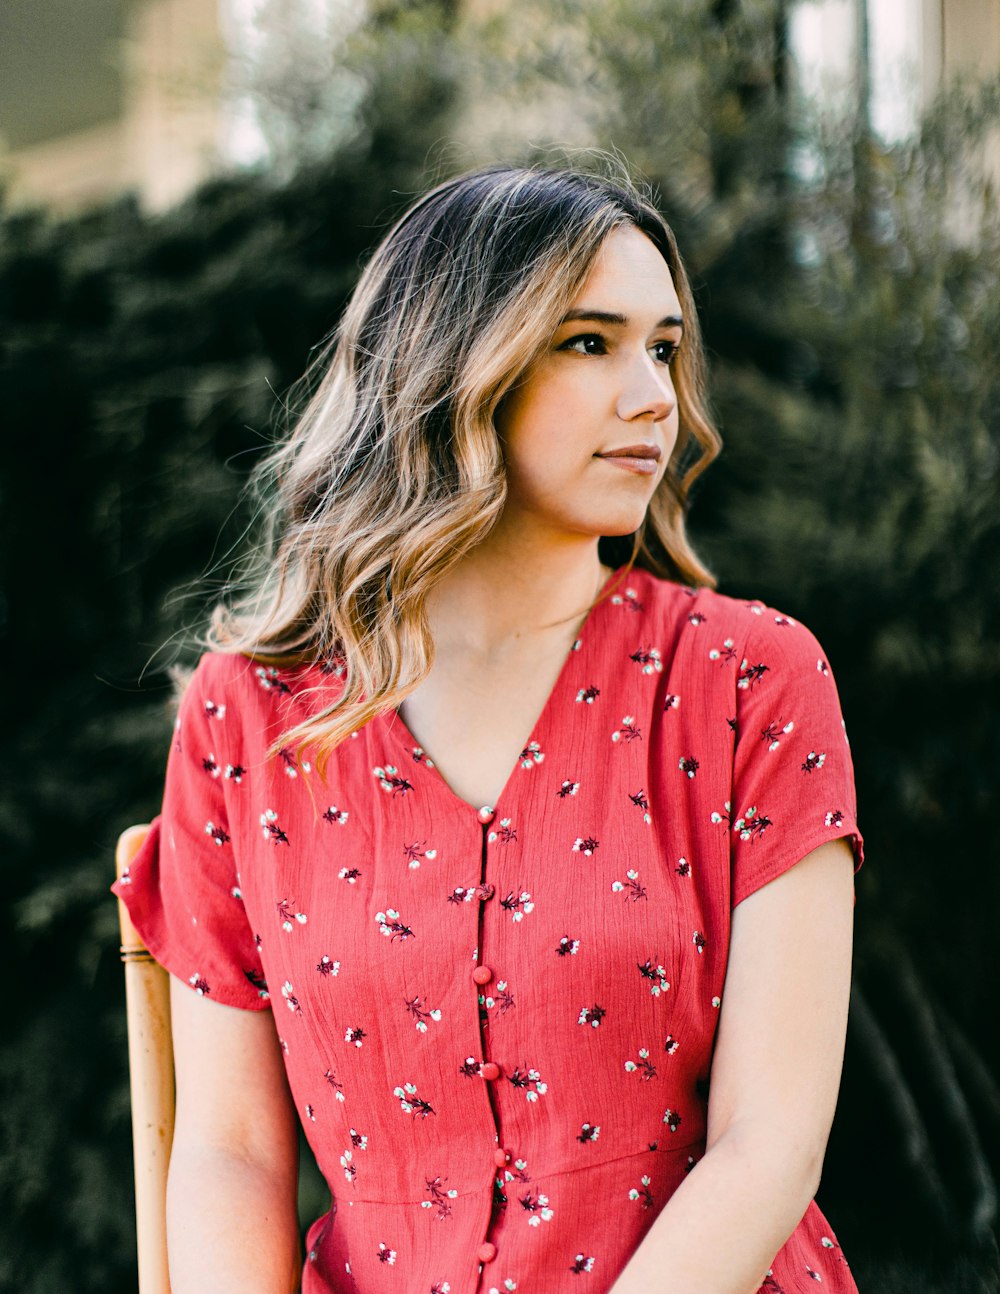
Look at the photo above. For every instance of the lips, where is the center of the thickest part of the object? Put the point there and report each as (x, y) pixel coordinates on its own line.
(633, 451)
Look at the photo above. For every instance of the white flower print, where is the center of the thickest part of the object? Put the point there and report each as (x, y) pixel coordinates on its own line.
(440, 1197)
(420, 1013)
(355, 1035)
(725, 816)
(289, 918)
(641, 802)
(688, 764)
(385, 1254)
(683, 867)
(210, 766)
(567, 945)
(291, 768)
(750, 674)
(649, 659)
(517, 905)
(588, 694)
(643, 1066)
(585, 845)
(214, 711)
(656, 975)
(235, 773)
(672, 1119)
(200, 984)
(346, 1163)
(531, 755)
(413, 853)
(752, 824)
(568, 788)
(773, 734)
(270, 680)
(505, 832)
(582, 1263)
(823, 667)
(813, 761)
(592, 1015)
(291, 1001)
(421, 757)
(671, 1044)
(671, 701)
(271, 828)
(519, 1173)
(503, 999)
(698, 939)
(333, 814)
(537, 1206)
(219, 834)
(530, 1081)
(327, 967)
(410, 1102)
(834, 818)
(642, 1193)
(630, 886)
(630, 600)
(349, 874)
(628, 731)
(390, 924)
(726, 652)
(391, 781)
(310, 1112)
(335, 1083)
(125, 878)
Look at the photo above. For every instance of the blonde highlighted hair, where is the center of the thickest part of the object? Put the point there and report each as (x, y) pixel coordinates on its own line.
(393, 470)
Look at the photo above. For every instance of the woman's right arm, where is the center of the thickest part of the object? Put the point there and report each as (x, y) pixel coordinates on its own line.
(232, 1218)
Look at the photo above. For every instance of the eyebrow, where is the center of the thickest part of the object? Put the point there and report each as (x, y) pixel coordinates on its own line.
(616, 320)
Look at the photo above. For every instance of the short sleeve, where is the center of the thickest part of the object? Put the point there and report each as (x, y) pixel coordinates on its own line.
(182, 889)
(793, 777)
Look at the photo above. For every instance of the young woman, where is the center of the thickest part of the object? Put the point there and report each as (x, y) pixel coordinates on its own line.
(497, 847)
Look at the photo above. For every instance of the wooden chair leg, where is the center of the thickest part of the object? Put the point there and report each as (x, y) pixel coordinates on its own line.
(151, 1079)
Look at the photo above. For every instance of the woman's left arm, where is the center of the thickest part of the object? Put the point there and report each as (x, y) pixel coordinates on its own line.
(774, 1084)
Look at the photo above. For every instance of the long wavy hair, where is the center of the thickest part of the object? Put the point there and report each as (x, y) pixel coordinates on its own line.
(393, 470)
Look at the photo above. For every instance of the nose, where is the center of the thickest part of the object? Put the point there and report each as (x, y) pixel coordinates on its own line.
(648, 388)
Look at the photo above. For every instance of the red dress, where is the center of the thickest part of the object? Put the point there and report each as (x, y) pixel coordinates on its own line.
(498, 1027)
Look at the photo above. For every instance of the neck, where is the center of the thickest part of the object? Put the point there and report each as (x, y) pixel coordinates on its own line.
(511, 590)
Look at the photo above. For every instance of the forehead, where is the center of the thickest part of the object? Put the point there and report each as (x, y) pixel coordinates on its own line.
(630, 276)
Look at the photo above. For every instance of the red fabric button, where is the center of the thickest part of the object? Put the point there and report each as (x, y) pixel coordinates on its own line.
(500, 1158)
(482, 974)
(486, 815)
(487, 1251)
(489, 1069)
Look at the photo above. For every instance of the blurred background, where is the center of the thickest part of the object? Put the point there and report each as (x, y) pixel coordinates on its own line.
(188, 189)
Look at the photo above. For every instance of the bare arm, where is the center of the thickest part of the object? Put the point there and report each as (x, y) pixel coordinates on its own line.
(775, 1078)
(232, 1223)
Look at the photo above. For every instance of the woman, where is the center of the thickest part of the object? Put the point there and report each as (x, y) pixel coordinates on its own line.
(497, 847)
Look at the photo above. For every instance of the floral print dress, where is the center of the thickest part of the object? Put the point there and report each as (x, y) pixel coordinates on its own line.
(498, 1024)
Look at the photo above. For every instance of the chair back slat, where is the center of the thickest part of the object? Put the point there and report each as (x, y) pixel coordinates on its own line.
(151, 1079)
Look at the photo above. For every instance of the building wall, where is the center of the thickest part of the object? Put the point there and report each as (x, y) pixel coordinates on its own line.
(169, 135)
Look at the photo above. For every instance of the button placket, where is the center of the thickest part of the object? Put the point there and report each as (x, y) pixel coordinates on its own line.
(482, 975)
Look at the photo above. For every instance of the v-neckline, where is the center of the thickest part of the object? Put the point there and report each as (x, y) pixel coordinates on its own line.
(400, 731)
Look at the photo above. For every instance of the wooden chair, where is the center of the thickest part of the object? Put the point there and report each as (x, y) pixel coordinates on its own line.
(151, 1079)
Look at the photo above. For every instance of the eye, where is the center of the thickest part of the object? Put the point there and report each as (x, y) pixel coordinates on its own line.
(671, 348)
(584, 337)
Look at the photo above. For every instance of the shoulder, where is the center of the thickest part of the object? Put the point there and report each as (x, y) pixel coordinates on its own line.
(239, 691)
(742, 619)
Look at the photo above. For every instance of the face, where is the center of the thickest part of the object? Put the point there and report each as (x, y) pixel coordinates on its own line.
(588, 432)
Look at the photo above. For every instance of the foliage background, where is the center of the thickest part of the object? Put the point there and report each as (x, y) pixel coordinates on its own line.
(851, 318)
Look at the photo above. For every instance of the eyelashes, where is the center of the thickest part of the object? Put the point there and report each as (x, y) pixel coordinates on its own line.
(671, 347)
